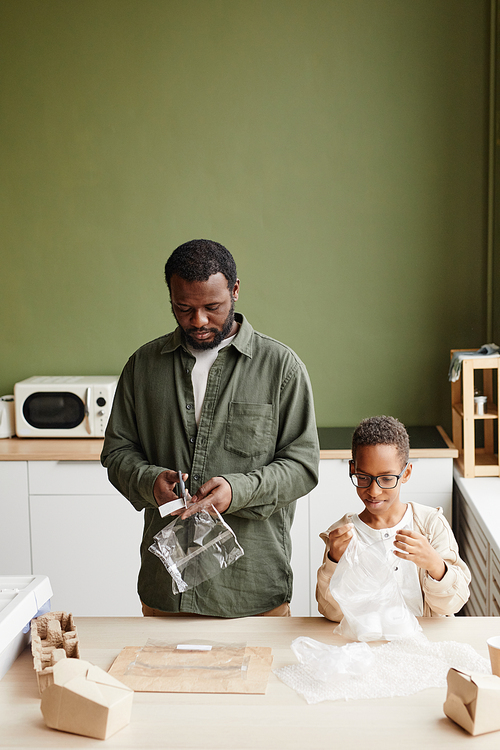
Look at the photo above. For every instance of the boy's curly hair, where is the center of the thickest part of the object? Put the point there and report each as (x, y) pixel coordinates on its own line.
(382, 431)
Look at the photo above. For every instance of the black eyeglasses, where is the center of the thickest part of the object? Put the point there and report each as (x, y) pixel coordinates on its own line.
(384, 481)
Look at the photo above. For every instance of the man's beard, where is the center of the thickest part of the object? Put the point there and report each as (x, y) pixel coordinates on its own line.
(219, 335)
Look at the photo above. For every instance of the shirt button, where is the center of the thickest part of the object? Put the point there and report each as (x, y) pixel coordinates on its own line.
(189, 406)
(191, 440)
(386, 536)
(396, 568)
(196, 476)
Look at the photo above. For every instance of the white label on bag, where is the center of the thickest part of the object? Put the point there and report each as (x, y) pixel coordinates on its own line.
(169, 507)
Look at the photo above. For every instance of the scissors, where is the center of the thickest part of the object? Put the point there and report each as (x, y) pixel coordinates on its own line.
(184, 492)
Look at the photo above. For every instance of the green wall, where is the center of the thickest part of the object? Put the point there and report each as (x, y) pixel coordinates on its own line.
(336, 147)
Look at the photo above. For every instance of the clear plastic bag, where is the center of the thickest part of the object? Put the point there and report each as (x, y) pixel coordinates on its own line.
(365, 587)
(324, 662)
(196, 549)
(201, 659)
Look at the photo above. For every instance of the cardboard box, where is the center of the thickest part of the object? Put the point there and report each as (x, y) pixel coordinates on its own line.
(21, 597)
(473, 701)
(83, 699)
(53, 637)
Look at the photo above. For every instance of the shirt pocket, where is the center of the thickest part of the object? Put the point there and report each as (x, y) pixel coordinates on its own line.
(249, 428)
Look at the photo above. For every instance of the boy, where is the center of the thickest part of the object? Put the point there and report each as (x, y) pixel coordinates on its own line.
(433, 579)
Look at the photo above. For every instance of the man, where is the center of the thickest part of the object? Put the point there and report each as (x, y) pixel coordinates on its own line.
(231, 408)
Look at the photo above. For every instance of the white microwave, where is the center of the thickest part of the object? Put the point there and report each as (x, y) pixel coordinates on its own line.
(72, 406)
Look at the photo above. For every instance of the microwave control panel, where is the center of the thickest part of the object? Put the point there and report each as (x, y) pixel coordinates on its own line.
(102, 404)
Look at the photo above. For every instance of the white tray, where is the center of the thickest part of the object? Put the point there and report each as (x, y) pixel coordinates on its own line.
(21, 597)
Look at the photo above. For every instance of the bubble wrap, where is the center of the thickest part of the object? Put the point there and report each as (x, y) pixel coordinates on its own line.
(399, 668)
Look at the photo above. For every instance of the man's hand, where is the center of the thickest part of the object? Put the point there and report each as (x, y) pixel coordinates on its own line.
(339, 541)
(217, 492)
(411, 545)
(163, 488)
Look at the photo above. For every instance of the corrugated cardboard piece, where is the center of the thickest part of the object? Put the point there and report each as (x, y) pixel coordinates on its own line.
(221, 669)
(83, 699)
(473, 701)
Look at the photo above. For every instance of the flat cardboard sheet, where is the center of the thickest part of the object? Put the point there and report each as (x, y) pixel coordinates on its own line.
(220, 670)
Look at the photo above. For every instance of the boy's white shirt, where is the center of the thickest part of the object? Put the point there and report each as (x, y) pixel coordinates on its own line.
(199, 374)
(406, 572)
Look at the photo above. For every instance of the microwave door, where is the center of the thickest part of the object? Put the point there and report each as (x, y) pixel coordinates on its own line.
(54, 410)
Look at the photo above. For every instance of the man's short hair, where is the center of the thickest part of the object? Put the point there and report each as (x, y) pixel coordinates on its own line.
(196, 260)
(382, 431)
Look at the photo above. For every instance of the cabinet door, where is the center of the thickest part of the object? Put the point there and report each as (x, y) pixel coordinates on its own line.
(431, 483)
(300, 605)
(88, 546)
(494, 585)
(15, 554)
(328, 502)
(474, 550)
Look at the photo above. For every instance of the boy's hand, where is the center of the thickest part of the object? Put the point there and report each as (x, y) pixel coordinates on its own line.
(411, 545)
(339, 541)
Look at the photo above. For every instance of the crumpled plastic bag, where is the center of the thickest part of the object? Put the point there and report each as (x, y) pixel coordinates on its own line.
(324, 662)
(365, 587)
(196, 549)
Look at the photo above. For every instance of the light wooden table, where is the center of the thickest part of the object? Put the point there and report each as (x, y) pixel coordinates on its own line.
(279, 719)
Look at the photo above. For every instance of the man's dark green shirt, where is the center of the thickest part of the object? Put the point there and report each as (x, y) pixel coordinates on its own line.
(257, 430)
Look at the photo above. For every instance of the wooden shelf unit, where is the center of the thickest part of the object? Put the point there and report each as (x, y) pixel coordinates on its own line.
(473, 461)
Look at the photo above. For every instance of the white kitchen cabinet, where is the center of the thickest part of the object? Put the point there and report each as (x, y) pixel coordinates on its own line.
(88, 546)
(85, 537)
(299, 605)
(476, 504)
(63, 519)
(15, 553)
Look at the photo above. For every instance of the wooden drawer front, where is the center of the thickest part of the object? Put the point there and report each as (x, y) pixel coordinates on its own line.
(474, 549)
(494, 585)
(68, 478)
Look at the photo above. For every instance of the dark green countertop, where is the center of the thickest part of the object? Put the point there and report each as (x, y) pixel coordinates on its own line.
(424, 441)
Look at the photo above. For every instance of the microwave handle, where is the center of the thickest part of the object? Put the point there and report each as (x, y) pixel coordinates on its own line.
(87, 410)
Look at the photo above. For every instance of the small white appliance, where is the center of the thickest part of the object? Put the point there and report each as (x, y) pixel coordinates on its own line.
(21, 599)
(63, 406)
(7, 418)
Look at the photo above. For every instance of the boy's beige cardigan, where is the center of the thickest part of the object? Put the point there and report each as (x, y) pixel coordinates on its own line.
(441, 598)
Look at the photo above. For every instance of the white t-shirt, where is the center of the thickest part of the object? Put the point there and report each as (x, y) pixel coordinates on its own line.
(199, 374)
(406, 571)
